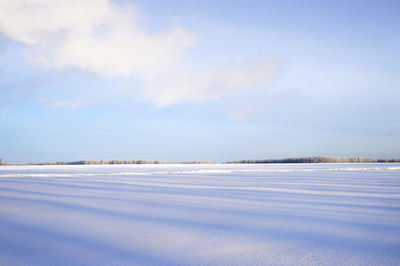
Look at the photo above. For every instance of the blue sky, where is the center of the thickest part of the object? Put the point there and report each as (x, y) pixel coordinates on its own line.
(196, 80)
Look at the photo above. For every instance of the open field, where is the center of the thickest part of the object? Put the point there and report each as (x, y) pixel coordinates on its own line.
(303, 214)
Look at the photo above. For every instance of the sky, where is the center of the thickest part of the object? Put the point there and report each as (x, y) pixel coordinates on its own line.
(198, 80)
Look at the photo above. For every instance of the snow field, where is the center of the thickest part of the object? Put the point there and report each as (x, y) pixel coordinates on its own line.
(218, 214)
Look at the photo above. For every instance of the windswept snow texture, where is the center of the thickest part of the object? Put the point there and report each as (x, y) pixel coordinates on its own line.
(303, 214)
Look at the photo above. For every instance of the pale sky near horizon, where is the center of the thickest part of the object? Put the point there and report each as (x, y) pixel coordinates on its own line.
(198, 80)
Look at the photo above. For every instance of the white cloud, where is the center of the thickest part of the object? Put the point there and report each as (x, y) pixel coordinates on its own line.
(94, 35)
(104, 37)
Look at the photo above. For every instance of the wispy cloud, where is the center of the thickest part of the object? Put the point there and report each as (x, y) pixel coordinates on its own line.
(187, 84)
(69, 104)
(104, 37)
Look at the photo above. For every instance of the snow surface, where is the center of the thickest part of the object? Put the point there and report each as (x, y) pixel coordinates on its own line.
(220, 214)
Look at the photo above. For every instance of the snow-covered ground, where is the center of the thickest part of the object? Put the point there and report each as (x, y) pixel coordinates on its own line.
(303, 214)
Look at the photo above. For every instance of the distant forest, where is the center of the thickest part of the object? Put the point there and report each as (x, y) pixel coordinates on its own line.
(86, 162)
(318, 159)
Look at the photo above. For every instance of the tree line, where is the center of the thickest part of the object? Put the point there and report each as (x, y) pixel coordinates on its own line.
(85, 162)
(319, 159)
